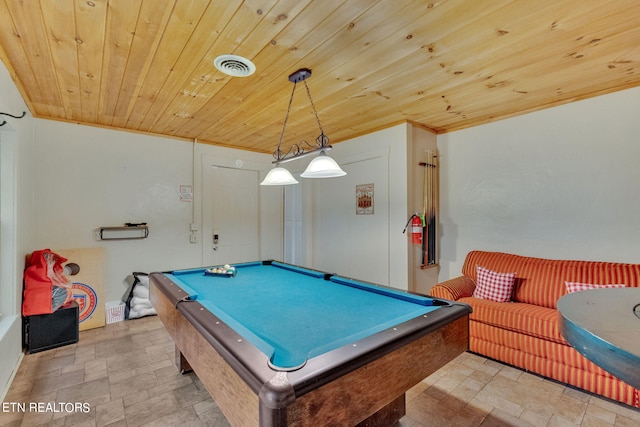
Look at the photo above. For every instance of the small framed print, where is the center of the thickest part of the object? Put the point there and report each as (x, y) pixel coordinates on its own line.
(364, 199)
(186, 193)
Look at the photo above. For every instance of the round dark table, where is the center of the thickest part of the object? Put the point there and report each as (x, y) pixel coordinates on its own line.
(604, 326)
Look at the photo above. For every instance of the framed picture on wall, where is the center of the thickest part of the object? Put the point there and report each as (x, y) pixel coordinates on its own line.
(364, 199)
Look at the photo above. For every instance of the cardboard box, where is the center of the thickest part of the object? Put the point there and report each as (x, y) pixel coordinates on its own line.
(88, 284)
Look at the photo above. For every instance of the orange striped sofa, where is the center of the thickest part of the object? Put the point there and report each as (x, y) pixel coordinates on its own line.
(524, 332)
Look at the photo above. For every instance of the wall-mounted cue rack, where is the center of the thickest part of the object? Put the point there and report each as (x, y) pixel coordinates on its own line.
(430, 209)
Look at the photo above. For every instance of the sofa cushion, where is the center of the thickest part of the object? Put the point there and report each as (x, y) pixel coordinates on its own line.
(493, 286)
(577, 286)
(541, 281)
(528, 319)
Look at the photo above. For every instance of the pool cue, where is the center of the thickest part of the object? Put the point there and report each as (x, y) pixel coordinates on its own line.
(425, 190)
(434, 221)
(434, 209)
(430, 207)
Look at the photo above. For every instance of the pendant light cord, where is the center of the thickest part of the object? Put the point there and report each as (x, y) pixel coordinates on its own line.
(278, 153)
(313, 107)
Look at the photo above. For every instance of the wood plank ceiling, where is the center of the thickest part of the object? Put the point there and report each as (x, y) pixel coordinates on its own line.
(146, 65)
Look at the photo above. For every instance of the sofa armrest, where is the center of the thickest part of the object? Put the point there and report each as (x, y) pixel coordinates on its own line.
(454, 289)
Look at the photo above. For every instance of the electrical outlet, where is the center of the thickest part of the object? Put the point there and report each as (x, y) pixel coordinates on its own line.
(193, 238)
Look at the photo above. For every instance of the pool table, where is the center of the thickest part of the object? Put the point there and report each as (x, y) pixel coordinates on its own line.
(281, 345)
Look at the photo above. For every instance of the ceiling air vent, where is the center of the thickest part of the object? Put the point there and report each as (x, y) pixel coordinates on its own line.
(234, 65)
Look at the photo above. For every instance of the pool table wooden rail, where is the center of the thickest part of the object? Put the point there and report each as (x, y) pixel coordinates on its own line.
(371, 393)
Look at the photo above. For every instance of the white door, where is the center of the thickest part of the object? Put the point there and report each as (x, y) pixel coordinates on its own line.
(231, 216)
(293, 225)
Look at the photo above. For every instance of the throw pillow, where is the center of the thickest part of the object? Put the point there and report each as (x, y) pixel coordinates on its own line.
(577, 287)
(493, 286)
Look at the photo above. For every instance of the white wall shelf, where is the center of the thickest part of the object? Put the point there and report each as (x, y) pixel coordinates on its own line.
(125, 232)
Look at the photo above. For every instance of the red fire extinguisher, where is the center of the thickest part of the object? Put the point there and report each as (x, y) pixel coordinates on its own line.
(416, 230)
(417, 225)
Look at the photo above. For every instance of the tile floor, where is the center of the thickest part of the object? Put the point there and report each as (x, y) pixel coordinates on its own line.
(125, 376)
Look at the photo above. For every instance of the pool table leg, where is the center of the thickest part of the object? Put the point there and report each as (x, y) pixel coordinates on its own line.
(181, 362)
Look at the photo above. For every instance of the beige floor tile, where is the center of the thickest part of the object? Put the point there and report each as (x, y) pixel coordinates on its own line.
(190, 395)
(614, 407)
(505, 405)
(72, 417)
(109, 412)
(152, 409)
(204, 406)
(576, 394)
(601, 413)
(36, 419)
(132, 385)
(498, 418)
(535, 418)
(126, 360)
(214, 418)
(510, 372)
(185, 417)
(624, 421)
(464, 393)
(132, 399)
(472, 384)
(445, 412)
(83, 392)
(592, 421)
(53, 383)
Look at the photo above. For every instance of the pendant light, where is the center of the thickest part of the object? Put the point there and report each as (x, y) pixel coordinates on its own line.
(279, 176)
(322, 166)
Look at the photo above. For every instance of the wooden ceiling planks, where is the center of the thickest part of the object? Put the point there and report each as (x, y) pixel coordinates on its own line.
(31, 34)
(12, 48)
(183, 39)
(343, 44)
(268, 110)
(149, 30)
(500, 74)
(121, 21)
(62, 45)
(396, 73)
(203, 81)
(90, 20)
(146, 65)
(250, 43)
(405, 70)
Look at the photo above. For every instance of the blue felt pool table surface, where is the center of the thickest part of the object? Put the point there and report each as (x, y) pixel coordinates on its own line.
(292, 314)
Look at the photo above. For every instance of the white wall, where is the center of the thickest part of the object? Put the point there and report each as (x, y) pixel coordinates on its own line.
(88, 177)
(365, 247)
(16, 215)
(558, 183)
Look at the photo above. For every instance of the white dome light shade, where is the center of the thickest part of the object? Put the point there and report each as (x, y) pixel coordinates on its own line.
(279, 176)
(323, 166)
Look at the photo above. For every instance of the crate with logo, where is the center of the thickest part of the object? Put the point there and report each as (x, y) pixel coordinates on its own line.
(114, 311)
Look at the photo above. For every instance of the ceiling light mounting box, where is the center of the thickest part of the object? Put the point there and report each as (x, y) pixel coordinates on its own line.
(322, 166)
(301, 75)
